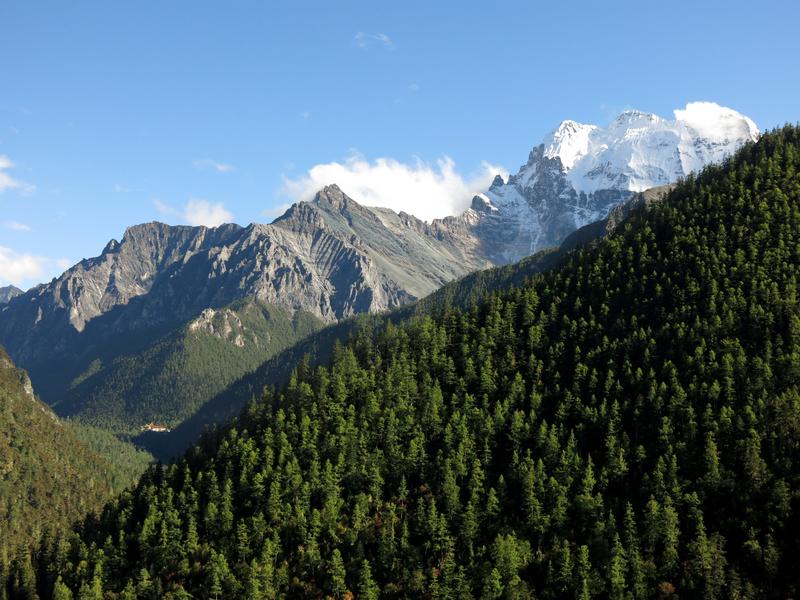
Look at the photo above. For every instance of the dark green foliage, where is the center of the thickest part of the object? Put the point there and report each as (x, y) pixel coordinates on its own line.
(626, 426)
(127, 460)
(317, 347)
(473, 288)
(275, 371)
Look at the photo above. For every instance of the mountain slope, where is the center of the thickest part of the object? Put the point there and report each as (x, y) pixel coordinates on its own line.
(626, 425)
(333, 258)
(51, 473)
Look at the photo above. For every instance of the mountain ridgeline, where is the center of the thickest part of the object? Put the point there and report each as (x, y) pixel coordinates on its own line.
(626, 425)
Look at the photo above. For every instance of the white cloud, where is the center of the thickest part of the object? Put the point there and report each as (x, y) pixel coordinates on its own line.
(15, 226)
(427, 191)
(711, 120)
(25, 270)
(9, 183)
(165, 209)
(306, 114)
(203, 212)
(197, 212)
(121, 189)
(207, 163)
(365, 40)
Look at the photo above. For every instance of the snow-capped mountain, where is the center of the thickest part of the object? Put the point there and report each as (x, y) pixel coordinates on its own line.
(580, 171)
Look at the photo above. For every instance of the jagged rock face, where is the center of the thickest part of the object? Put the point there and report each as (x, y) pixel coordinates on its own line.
(8, 292)
(225, 325)
(579, 172)
(330, 257)
(536, 209)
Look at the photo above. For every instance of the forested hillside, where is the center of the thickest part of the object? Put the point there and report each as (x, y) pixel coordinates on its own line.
(173, 377)
(316, 348)
(51, 472)
(624, 426)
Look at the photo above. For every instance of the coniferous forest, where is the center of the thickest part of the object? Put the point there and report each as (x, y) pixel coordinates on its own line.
(52, 472)
(626, 425)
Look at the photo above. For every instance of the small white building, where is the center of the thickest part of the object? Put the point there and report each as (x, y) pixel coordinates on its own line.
(155, 427)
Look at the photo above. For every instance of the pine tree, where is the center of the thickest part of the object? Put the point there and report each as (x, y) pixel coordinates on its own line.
(61, 591)
(337, 575)
(492, 586)
(617, 572)
(367, 588)
(583, 574)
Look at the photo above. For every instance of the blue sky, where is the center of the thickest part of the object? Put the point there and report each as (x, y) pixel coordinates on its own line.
(115, 113)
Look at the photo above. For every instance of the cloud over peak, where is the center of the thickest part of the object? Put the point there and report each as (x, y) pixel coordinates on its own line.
(24, 270)
(715, 121)
(197, 211)
(427, 191)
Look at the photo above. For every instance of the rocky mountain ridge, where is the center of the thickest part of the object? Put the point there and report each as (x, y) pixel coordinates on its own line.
(331, 258)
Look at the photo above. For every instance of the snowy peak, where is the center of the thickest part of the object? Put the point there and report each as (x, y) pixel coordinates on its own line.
(710, 132)
(570, 142)
(579, 172)
(634, 119)
(640, 150)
